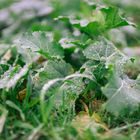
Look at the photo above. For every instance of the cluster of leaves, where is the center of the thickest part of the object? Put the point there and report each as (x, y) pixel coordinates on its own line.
(64, 76)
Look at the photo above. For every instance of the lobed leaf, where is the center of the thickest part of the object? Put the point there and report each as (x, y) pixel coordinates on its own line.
(52, 69)
(104, 19)
(123, 95)
(100, 50)
(30, 45)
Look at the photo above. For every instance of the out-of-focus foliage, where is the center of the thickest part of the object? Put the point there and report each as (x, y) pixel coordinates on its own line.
(69, 69)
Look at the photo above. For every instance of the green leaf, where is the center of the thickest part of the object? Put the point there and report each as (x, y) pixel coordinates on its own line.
(113, 19)
(91, 28)
(3, 68)
(68, 92)
(123, 95)
(64, 95)
(100, 50)
(137, 134)
(53, 69)
(104, 19)
(30, 45)
(14, 106)
(105, 52)
(3, 117)
(10, 78)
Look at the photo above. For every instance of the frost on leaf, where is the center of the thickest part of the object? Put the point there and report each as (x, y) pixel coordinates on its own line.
(123, 95)
(10, 78)
(52, 70)
(105, 51)
(100, 50)
(30, 45)
(68, 92)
